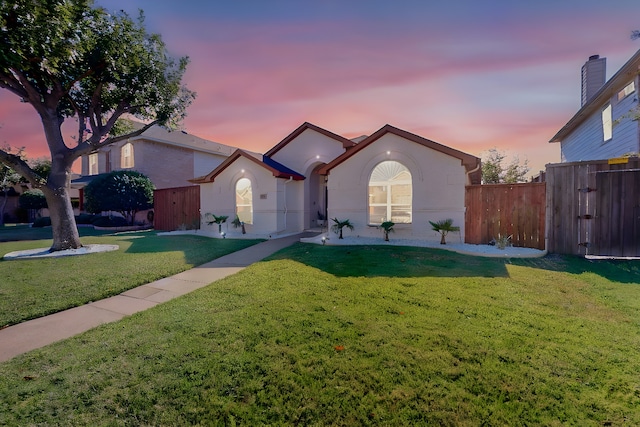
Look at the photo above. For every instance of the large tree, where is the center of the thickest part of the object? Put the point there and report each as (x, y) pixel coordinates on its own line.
(71, 60)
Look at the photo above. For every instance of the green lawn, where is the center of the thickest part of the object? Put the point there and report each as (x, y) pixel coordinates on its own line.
(36, 287)
(320, 335)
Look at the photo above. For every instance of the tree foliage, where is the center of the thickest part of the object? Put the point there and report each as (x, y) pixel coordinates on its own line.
(124, 191)
(32, 199)
(494, 170)
(69, 59)
(8, 178)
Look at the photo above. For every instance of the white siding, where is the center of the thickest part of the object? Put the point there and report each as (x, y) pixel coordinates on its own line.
(586, 141)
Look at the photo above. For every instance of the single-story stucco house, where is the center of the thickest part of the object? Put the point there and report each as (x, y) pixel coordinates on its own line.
(314, 175)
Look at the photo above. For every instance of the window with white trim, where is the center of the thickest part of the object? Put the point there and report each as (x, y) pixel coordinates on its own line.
(244, 201)
(628, 90)
(390, 193)
(126, 156)
(607, 123)
(93, 164)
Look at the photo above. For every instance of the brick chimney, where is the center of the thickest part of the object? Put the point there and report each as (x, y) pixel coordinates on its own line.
(593, 76)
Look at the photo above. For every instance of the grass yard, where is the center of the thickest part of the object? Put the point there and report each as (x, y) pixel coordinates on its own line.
(34, 288)
(321, 335)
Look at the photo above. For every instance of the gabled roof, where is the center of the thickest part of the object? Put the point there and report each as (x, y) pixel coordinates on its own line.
(278, 170)
(471, 163)
(602, 96)
(346, 143)
(179, 138)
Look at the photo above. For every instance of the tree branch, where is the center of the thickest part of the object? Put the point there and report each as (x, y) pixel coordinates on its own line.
(21, 167)
(87, 147)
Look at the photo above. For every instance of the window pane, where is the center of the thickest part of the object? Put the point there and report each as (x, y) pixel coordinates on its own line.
(390, 193)
(401, 214)
(377, 214)
(244, 201)
(401, 194)
(377, 194)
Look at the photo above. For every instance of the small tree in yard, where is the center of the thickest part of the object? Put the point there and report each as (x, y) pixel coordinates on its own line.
(71, 60)
(126, 192)
(217, 220)
(444, 227)
(339, 225)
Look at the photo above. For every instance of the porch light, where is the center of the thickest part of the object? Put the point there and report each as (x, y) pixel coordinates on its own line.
(317, 156)
(242, 170)
(388, 152)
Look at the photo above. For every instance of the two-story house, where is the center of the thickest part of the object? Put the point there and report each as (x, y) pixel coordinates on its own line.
(168, 158)
(606, 124)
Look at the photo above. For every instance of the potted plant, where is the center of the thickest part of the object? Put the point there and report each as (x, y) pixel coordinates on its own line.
(444, 227)
(217, 220)
(339, 225)
(387, 227)
(237, 223)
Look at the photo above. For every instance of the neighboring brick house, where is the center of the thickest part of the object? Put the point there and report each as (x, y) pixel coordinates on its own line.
(606, 125)
(169, 158)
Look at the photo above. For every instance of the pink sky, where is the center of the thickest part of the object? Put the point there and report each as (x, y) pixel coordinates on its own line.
(470, 75)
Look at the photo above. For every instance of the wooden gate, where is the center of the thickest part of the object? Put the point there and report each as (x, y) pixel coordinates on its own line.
(617, 214)
(177, 208)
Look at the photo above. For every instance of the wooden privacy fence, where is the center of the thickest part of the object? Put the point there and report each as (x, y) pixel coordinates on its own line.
(177, 208)
(594, 207)
(516, 210)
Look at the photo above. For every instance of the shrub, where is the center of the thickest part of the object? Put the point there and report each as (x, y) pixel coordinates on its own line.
(124, 191)
(110, 221)
(44, 221)
(32, 199)
(86, 218)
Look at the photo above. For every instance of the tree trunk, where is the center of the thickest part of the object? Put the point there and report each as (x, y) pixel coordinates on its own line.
(3, 205)
(63, 221)
(442, 240)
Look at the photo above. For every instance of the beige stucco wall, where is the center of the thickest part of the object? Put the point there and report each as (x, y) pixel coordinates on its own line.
(307, 151)
(438, 183)
(272, 198)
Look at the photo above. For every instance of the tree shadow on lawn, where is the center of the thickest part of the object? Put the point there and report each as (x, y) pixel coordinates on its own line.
(621, 271)
(396, 261)
(197, 249)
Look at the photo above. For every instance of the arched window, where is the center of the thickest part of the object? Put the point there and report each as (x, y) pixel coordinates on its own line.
(126, 156)
(390, 193)
(244, 201)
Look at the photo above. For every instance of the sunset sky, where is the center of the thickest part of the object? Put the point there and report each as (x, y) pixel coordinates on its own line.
(469, 74)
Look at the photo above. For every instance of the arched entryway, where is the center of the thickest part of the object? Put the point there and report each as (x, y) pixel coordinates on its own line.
(317, 199)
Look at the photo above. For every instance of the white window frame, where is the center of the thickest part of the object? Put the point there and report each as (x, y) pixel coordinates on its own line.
(607, 123)
(93, 164)
(126, 156)
(245, 215)
(628, 90)
(389, 204)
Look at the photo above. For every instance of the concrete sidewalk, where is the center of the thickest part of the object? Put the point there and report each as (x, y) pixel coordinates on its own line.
(37, 333)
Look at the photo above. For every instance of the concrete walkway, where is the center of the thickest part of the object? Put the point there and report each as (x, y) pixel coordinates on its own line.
(37, 333)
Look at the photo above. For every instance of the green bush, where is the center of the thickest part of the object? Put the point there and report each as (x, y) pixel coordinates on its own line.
(32, 199)
(44, 221)
(109, 221)
(86, 218)
(123, 191)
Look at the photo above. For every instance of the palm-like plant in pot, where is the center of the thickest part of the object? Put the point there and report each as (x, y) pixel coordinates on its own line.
(387, 227)
(339, 225)
(444, 227)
